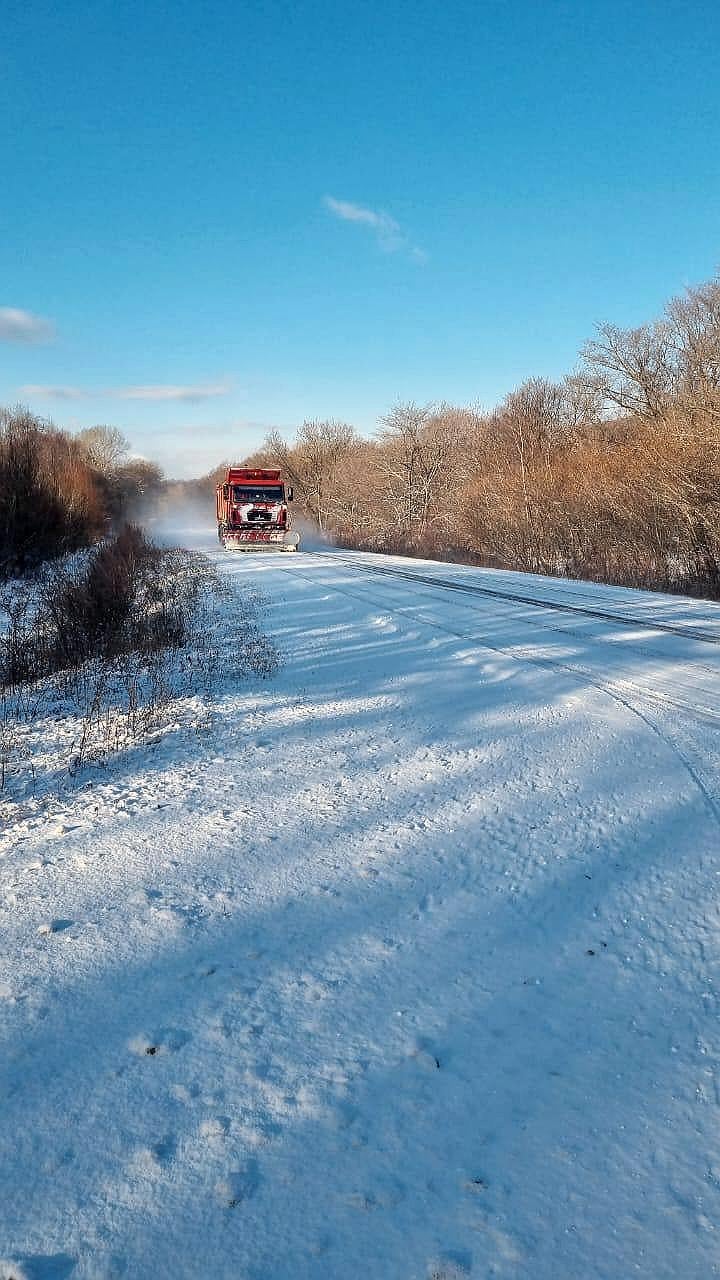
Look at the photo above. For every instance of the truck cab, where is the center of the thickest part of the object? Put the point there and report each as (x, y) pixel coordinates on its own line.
(253, 512)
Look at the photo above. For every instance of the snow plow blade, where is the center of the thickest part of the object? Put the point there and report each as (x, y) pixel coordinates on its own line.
(261, 540)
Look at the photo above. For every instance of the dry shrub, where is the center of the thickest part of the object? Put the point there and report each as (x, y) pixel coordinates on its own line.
(108, 641)
(127, 595)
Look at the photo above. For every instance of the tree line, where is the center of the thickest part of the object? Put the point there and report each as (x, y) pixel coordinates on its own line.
(611, 474)
(60, 492)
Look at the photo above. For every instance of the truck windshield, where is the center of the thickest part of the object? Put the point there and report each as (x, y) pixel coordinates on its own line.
(266, 493)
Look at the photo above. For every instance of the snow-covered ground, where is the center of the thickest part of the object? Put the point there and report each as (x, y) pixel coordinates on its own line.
(403, 965)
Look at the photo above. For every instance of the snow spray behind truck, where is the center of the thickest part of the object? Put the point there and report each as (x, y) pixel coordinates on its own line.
(252, 510)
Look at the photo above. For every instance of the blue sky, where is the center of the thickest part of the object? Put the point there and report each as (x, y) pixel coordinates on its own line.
(222, 217)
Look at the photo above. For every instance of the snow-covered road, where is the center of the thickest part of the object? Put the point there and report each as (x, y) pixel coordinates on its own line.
(405, 968)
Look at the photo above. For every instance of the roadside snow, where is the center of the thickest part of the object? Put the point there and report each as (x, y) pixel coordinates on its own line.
(401, 964)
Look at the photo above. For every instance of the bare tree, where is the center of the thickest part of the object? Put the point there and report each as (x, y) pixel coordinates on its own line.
(314, 462)
(418, 461)
(583, 402)
(693, 324)
(635, 368)
(104, 447)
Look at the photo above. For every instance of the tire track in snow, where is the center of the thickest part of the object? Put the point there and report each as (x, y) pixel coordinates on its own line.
(567, 630)
(623, 686)
(606, 615)
(613, 689)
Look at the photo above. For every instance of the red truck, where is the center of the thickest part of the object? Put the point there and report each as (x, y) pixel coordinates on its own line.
(252, 510)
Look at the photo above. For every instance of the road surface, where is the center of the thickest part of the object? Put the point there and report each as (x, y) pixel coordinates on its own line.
(404, 966)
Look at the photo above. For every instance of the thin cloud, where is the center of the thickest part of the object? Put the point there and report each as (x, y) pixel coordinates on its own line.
(189, 394)
(53, 393)
(388, 232)
(24, 327)
(386, 228)
(159, 392)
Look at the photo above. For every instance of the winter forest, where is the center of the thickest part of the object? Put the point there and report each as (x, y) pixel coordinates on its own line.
(612, 474)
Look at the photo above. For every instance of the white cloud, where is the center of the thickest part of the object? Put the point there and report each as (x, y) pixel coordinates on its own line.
(190, 394)
(389, 233)
(24, 327)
